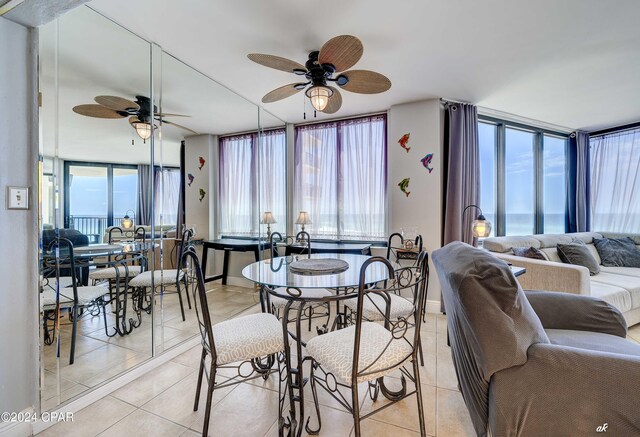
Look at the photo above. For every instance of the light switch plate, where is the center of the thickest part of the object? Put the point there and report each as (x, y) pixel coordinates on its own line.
(17, 197)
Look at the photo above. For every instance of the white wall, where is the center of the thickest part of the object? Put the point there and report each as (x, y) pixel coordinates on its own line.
(422, 209)
(19, 355)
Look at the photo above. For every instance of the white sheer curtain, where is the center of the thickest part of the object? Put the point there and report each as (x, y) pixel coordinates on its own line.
(252, 180)
(272, 156)
(316, 178)
(236, 212)
(615, 182)
(340, 178)
(166, 193)
(363, 173)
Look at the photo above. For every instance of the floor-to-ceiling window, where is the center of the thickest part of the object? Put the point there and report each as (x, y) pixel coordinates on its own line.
(340, 178)
(98, 195)
(523, 177)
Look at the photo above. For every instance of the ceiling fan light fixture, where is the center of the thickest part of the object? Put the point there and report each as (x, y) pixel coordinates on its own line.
(142, 129)
(319, 96)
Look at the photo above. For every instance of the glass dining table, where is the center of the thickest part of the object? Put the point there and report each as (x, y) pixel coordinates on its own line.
(277, 279)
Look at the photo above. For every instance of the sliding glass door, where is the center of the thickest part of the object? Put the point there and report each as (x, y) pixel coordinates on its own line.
(98, 196)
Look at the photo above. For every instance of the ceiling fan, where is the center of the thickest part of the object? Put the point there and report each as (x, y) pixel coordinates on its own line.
(139, 113)
(330, 64)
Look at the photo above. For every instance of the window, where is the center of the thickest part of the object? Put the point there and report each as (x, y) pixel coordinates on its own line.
(98, 195)
(252, 180)
(166, 193)
(340, 178)
(615, 181)
(523, 177)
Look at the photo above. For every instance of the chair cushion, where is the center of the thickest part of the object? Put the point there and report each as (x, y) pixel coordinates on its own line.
(280, 302)
(247, 337)
(374, 304)
(334, 352)
(86, 295)
(110, 272)
(160, 277)
(595, 341)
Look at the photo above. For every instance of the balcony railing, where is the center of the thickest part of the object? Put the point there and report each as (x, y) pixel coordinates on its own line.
(92, 226)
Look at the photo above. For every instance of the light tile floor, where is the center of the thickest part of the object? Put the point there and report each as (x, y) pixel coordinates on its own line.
(161, 402)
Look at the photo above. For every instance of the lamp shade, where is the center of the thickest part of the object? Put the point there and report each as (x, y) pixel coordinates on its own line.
(143, 130)
(303, 218)
(481, 227)
(267, 218)
(319, 96)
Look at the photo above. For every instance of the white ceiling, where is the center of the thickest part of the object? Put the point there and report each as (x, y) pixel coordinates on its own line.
(573, 63)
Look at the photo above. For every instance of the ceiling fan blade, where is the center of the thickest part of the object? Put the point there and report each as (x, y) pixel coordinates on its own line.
(342, 52)
(280, 93)
(335, 102)
(117, 103)
(180, 126)
(366, 82)
(97, 111)
(276, 62)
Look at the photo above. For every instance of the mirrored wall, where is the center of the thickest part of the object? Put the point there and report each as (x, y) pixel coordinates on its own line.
(130, 143)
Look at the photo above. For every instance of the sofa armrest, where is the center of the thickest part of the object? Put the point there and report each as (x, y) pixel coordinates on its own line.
(562, 390)
(581, 313)
(549, 275)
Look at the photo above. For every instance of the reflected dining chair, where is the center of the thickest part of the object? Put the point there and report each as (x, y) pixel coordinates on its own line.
(162, 278)
(73, 297)
(368, 351)
(248, 344)
(109, 273)
(302, 245)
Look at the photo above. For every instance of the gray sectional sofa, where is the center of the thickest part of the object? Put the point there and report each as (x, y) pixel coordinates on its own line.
(619, 286)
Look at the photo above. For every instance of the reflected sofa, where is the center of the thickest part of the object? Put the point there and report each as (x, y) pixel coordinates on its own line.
(619, 286)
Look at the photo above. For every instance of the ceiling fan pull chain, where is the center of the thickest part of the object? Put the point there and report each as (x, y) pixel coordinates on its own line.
(315, 114)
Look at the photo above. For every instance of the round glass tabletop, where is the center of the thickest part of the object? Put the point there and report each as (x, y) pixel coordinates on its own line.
(275, 272)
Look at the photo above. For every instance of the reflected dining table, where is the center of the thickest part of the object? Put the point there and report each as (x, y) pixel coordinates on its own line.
(275, 278)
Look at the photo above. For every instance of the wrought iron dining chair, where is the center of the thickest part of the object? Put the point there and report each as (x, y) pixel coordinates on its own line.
(161, 278)
(403, 250)
(109, 273)
(73, 297)
(302, 243)
(249, 344)
(368, 351)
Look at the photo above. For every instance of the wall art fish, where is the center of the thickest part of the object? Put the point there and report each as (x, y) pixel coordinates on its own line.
(404, 186)
(202, 194)
(426, 161)
(403, 142)
(191, 178)
(202, 161)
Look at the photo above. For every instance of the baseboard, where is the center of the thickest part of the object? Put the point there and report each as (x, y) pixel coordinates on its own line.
(433, 307)
(105, 390)
(17, 429)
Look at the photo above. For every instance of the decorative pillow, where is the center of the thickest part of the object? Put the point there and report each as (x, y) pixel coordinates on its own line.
(577, 253)
(529, 252)
(617, 252)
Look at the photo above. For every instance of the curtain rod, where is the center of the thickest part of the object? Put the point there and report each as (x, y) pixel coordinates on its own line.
(616, 129)
(353, 117)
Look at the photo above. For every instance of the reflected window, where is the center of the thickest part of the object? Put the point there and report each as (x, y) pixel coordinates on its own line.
(252, 180)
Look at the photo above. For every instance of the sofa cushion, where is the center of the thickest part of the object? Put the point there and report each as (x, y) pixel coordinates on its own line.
(552, 240)
(626, 271)
(506, 244)
(630, 283)
(618, 252)
(634, 237)
(594, 341)
(551, 253)
(529, 252)
(577, 253)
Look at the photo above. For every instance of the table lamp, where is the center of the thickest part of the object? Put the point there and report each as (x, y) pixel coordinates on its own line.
(303, 219)
(267, 219)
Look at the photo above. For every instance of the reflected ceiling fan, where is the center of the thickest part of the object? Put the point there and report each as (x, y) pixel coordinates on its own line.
(139, 113)
(330, 64)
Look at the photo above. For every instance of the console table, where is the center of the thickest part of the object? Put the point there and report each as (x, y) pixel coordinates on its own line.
(230, 245)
